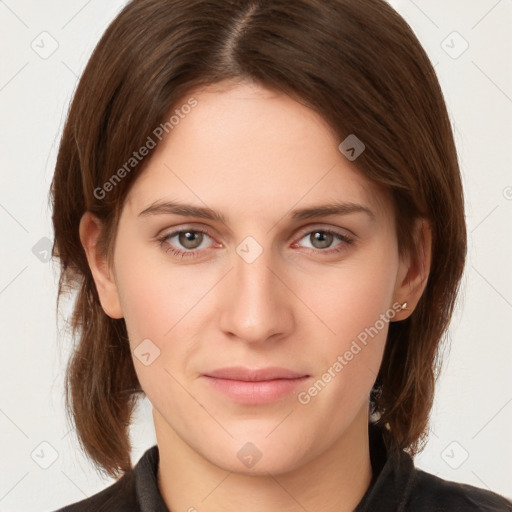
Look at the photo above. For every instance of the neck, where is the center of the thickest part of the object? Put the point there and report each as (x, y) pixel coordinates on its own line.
(334, 481)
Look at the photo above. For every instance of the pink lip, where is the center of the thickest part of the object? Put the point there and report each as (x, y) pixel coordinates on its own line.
(255, 386)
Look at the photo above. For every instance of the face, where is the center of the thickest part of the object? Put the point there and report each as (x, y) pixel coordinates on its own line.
(271, 284)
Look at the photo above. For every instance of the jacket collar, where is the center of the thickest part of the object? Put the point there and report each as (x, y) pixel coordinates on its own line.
(393, 477)
(390, 487)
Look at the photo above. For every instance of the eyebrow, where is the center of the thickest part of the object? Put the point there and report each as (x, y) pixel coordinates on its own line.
(188, 210)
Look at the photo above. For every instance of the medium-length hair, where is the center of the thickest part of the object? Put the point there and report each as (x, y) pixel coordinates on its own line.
(358, 64)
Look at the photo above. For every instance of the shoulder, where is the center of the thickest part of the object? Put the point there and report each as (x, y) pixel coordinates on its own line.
(432, 493)
(137, 489)
(118, 497)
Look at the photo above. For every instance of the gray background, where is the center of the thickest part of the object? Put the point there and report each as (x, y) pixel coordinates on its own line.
(45, 45)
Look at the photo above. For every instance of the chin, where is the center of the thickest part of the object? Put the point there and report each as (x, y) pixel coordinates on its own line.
(259, 456)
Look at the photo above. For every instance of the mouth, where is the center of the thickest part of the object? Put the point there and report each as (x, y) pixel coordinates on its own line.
(255, 386)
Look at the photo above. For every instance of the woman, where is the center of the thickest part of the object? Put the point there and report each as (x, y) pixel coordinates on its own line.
(260, 205)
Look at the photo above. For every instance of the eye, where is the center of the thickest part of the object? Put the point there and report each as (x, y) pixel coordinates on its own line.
(189, 239)
(189, 242)
(322, 239)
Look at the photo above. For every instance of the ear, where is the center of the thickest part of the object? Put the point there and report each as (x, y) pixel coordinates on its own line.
(414, 271)
(90, 230)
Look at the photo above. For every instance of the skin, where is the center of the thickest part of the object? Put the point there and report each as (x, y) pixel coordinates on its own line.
(255, 155)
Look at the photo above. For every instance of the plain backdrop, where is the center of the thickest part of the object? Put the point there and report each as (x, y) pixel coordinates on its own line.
(45, 45)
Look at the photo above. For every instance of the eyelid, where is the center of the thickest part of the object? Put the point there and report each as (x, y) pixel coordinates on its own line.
(302, 232)
(345, 240)
(328, 228)
(182, 228)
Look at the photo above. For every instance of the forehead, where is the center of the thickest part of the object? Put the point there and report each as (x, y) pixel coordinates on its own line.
(248, 150)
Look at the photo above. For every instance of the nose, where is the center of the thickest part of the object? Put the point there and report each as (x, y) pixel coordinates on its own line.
(257, 303)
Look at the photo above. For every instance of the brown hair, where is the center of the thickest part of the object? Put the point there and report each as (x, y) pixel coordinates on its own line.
(355, 62)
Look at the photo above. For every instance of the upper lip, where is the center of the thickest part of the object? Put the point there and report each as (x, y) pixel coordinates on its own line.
(254, 374)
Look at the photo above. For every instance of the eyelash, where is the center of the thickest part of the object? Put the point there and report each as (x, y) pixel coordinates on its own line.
(183, 253)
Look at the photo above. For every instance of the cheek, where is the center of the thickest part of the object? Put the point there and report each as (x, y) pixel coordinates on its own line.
(160, 302)
(163, 302)
(354, 306)
(349, 298)
(152, 292)
(153, 307)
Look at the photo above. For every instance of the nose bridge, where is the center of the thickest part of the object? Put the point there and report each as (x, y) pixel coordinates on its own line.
(257, 307)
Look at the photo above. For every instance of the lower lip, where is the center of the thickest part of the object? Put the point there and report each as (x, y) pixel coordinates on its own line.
(260, 392)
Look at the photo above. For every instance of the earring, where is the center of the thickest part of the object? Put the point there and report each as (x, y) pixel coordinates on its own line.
(403, 306)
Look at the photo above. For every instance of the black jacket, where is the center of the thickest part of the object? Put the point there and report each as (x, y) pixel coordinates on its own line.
(397, 486)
